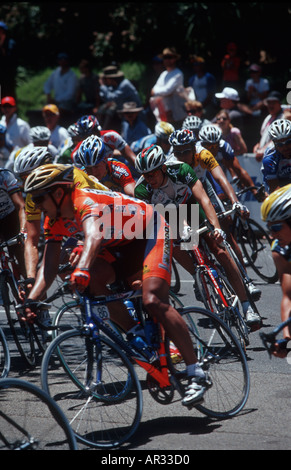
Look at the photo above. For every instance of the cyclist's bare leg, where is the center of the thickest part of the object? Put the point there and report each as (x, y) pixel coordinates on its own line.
(102, 274)
(231, 269)
(156, 302)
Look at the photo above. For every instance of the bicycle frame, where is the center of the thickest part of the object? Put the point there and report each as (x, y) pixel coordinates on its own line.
(94, 323)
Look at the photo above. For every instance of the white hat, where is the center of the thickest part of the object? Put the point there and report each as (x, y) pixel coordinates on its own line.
(228, 93)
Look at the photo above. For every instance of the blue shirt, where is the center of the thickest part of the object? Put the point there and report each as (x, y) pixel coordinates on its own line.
(123, 93)
(276, 166)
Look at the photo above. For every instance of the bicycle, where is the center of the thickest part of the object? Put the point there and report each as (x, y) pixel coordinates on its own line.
(4, 356)
(89, 371)
(31, 420)
(269, 339)
(214, 290)
(255, 243)
(26, 337)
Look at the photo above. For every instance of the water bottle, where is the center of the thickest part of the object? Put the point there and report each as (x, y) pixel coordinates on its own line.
(152, 333)
(130, 307)
(139, 343)
(214, 272)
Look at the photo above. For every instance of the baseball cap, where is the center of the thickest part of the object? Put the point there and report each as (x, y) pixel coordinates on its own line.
(274, 96)
(8, 100)
(52, 108)
(255, 68)
(228, 93)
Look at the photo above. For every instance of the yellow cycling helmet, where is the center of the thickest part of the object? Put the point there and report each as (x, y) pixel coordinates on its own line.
(49, 175)
(277, 206)
(163, 130)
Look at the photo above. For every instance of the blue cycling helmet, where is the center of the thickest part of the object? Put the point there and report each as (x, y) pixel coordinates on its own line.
(87, 125)
(91, 152)
(182, 137)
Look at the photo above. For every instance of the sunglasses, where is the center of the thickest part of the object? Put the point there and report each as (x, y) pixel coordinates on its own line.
(221, 119)
(39, 198)
(282, 144)
(275, 227)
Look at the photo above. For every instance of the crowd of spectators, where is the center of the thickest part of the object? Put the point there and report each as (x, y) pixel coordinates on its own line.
(240, 101)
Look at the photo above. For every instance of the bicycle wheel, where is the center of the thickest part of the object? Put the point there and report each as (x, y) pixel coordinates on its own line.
(25, 335)
(4, 356)
(225, 305)
(31, 420)
(223, 360)
(175, 279)
(67, 317)
(96, 386)
(256, 246)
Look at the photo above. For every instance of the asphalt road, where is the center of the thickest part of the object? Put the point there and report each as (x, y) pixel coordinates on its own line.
(264, 423)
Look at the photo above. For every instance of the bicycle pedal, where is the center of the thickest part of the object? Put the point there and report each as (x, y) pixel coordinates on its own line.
(255, 327)
(189, 407)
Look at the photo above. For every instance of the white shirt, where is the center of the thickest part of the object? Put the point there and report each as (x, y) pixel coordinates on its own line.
(17, 133)
(260, 86)
(64, 85)
(169, 85)
(58, 137)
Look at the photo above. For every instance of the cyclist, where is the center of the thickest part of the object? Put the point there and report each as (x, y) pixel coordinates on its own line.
(12, 214)
(169, 182)
(27, 160)
(210, 137)
(276, 164)
(114, 174)
(92, 213)
(160, 137)
(89, 125)
(276, 212)
(202, 161)
(194, 124)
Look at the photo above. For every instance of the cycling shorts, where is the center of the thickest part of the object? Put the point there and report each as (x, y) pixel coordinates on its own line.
(152, 253)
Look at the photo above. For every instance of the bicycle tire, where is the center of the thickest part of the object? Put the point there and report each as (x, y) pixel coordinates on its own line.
(256, 246)
(30, 419)
(223, 360)
(4, 356)
(227, 307)
(24, 335)
(112, 409)
(175, 278)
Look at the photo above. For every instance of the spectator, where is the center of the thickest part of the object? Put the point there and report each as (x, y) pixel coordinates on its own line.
(115, 90)
(61, 86)
(8, 62)
(59, 134)
(203, 84)
(17, 130)
(256, 87)
(229, 100)
(132, 126)
(231, 134)
(4, 149)
(230, 65)
(195, 108)
(170, 86)
(88, 89)
(273, 103)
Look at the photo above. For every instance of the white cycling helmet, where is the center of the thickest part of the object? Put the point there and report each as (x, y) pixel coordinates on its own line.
(38, 133)
(193, 123)
(280, 129)
(163, 130)
(30, 158)
(210, 134)
(277, 206)
(150, 159)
